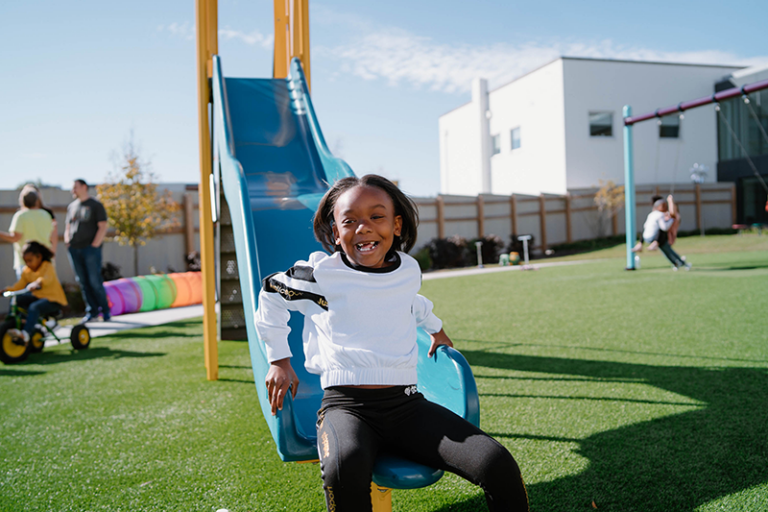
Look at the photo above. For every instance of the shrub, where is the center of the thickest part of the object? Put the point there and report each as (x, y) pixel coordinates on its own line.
(110, 272)
(422, 256)
(516, 245)
(75, 305)
(193, 262)
(588, 245)
(448, 252)
(492, 247)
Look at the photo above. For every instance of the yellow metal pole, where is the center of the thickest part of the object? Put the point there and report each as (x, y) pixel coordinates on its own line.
(282, 58)
(207, 46)
(291, 37)
(300, 33)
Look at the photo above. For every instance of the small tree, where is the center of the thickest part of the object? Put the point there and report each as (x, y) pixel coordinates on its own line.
(136, 210)
(609, 200)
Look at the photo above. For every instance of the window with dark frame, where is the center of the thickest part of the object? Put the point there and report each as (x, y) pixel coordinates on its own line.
(601, 124)
(669, 127)
(495, 144)
(515, 137)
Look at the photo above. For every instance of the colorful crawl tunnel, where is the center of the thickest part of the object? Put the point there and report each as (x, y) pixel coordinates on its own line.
(147, 293)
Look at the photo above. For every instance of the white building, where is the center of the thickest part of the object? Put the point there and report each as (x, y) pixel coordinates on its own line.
(560, 128)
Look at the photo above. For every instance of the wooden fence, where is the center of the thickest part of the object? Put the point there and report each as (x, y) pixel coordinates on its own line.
(556, 219)
(551, 219)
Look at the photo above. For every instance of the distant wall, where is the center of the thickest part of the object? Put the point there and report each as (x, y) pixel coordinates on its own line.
(557, 219)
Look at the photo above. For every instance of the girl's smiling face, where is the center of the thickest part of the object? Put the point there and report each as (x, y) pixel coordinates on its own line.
(33, 261)
(365, 225)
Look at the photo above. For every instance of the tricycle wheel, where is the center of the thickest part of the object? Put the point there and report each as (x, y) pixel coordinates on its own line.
(37, 343)
(80, 337)
(12, 349)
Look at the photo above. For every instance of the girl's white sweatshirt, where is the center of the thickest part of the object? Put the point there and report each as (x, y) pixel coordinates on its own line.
(359, 323)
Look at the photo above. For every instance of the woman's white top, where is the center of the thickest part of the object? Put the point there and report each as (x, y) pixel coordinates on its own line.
(359, 323)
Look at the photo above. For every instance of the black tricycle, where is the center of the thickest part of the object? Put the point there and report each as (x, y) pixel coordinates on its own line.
(13, 349)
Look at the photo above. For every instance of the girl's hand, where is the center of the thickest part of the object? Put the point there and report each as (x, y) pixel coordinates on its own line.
(280, 378)
(33, 286)
(439, 338)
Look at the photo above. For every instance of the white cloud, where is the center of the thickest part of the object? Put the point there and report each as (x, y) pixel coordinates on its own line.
(254, 38)
(186, 30)
(401, 57)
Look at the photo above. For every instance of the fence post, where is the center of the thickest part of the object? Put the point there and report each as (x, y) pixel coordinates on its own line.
(440, 203)
(480, 216)
(189, 224)
(513, 213)
(543, 221)
(733, 203)
(568, 237)
(699, 224)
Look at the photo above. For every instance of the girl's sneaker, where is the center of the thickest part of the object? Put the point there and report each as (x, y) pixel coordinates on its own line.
(19, 335)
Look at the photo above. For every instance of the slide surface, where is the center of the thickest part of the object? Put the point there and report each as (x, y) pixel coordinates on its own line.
(275, 167)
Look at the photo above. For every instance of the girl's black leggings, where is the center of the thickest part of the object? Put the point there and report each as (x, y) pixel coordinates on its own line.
(354, 425)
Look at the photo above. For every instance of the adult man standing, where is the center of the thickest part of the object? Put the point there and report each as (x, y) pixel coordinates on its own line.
(84, 232)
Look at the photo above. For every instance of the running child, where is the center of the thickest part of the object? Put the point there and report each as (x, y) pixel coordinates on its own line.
(361, 309)
(46, 295)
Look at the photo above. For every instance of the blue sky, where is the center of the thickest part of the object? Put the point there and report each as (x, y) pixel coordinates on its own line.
(77, 77)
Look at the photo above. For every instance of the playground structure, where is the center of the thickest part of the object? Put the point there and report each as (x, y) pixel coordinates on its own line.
(263, 153)
(630, 120)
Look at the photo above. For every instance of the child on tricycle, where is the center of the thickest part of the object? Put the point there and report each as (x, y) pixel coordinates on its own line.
(37, 295)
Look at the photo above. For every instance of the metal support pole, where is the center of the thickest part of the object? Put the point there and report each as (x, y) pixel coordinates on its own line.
(629, 190)
(525, 239)
(479, 246)
(206, 23)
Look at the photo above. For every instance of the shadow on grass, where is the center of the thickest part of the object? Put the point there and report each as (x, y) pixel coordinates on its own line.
(18, 373)
(728, 269)
(621, 351)
(141, 333)
(68, 356)
(241, 381)
(674, 463)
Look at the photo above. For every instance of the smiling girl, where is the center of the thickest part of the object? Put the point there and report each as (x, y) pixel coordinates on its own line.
(361, 307)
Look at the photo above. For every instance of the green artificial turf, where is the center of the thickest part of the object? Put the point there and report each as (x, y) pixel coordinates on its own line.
(633, 391)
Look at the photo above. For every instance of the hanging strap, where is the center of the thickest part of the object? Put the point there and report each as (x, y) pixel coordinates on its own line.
(677, 153)
(754, 114)
(738, 143)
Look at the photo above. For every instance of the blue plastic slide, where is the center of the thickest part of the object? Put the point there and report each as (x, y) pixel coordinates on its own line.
(275, 167)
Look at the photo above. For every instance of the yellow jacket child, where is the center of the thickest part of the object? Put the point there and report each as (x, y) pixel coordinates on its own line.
(39, 278)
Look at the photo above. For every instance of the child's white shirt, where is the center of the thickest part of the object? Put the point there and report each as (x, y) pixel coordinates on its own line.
(654, 223)
(359, 323)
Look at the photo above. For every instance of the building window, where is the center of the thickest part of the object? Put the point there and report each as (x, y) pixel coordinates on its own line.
(515, 136)
(495, 144)
(669, 127)
(601, 124)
